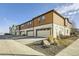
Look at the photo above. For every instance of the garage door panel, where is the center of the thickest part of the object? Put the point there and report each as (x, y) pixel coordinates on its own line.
(30, 33)
(43, 33)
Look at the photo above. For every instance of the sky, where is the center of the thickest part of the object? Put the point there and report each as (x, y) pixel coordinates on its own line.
(15, 14)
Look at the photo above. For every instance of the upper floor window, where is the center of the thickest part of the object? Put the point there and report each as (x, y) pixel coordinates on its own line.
(30, 22)
(42, 18)
(22, 25)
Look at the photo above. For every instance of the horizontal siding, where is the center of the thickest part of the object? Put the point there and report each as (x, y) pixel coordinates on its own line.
(57, 19)
(47, 20)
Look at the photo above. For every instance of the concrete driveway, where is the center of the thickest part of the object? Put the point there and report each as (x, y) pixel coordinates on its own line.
(30, 40)
(72, 50)
(11, 47)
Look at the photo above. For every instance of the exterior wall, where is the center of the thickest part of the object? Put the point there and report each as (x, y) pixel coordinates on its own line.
(58, 29)
(67, 23)
(27, 25)
(52, 20)
(48, 16)
(42, 27)
(68, 27)
(13, 30)
(57, 19)
(36, 22)
(18, 30)
(35, 28)
(59, 26)
(25, 30)
(10, 30)
(67, 31)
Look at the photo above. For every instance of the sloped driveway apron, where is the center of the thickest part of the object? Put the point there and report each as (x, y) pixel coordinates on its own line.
(11, 47)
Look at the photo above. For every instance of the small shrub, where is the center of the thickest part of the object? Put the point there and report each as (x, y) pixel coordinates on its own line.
(51, 39)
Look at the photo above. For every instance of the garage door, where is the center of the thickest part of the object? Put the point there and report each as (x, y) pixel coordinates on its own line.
(30, 33)
(43, 33)
(22, 33)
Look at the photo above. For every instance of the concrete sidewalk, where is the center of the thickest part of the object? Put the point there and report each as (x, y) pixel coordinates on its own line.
(11, 47)
(30, 40)
(72, 50)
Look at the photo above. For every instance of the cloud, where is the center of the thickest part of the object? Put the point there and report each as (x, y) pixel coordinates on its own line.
(69, 9)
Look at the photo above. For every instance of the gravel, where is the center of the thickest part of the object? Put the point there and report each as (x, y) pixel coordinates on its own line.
(51, 51)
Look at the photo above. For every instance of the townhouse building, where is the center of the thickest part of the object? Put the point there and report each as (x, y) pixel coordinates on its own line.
(49, 23)
(12, 30)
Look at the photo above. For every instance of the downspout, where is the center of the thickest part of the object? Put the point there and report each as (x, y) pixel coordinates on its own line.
(64, 26)
(33, 27)
(52, 23)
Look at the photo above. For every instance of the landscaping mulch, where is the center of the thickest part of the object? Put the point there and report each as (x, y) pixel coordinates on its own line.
(50, 51)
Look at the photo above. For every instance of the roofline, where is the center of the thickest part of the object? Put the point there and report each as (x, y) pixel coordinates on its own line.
(59, 14)
(26, 22)
(49, 12)
(44, 14)
(68, 20)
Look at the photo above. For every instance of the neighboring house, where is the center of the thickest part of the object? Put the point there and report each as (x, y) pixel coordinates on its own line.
(12, 30)
(18, 30)
(49, 23)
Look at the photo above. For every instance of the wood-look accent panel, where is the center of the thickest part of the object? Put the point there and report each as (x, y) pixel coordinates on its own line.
(57, 19)
(47, 20)
(27, 25)
(36, 22)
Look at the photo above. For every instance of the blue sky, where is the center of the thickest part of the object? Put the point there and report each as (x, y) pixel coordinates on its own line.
(18, 13)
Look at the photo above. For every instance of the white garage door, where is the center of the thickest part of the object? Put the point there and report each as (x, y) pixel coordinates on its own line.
(43, 33)
(30, 33)
(22, 32)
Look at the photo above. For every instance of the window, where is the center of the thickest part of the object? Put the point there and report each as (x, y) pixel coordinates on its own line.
(22, 25)
(30, 22)
(42, 18)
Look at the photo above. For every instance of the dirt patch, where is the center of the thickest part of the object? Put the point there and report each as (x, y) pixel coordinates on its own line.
(53, 49)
